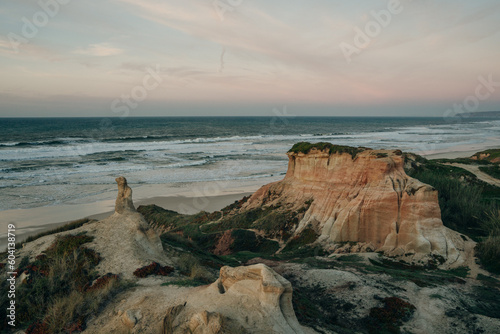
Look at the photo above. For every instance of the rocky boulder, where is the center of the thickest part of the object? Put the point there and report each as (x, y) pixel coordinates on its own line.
(253, 299)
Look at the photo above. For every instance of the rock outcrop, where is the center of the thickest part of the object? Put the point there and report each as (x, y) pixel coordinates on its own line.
(124, 199)
(123, 240)
(362, 196)
(253, 299)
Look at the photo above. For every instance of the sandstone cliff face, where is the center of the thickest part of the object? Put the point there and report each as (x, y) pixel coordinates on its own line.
(366, 199)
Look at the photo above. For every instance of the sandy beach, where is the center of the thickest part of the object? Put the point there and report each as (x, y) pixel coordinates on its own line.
(461, 151)
(188, 198)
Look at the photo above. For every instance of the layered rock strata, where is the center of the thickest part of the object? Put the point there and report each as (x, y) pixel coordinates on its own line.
(363, 196)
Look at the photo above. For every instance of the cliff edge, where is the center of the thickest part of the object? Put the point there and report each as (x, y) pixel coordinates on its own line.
(362, 200)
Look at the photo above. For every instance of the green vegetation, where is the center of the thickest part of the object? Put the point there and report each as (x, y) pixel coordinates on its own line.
(306, 147)
(488, 250)
(244, 240)
(463, 199)
(318, 309)
(427, 276)
(308, 236)
(185, 283)
(192, 267)
(67, 227)
(484, 301)
(273, 221)
(382, 155)
(493, 170)
(467, 204)
(423, 276)
(158, 216)
(58, 295)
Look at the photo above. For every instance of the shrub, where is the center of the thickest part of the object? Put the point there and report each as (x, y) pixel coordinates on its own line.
(55, 297)
(389, 317)
(306, 147)
(101, 282)
(153, 269)
(493, 171)
(192, 267)
(37, 328)
(68, 227)
(461, 196)
(186, 283)
(308, 236)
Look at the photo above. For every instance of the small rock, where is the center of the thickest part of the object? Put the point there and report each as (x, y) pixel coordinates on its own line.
(131, 317)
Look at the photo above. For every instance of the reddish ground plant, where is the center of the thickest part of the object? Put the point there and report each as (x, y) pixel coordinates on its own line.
(153, 269)
(391, 316)
(38, 328)
(75, 327)
(223, 246)
(2, 265)
(101, 282)
(43, 270)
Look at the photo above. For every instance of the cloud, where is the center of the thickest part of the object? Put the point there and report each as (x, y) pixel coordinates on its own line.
(99, 50)
(247, 31)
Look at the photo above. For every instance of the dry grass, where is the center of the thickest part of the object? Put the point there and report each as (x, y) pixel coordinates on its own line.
(488, 250)
(191, 266)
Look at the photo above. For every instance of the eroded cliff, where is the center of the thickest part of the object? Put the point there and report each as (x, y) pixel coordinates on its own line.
(361, 200)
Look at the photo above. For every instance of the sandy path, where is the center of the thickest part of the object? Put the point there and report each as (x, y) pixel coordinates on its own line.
(474, 169)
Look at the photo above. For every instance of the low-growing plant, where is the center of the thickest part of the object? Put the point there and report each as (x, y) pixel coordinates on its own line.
(306, 237)
(461, 195)
(488, 249)
(185, 283)
(58, 294)
(67, 227)
(390, 317)
(153, 269)
(190, 266)
(306, 147)
(493, 170)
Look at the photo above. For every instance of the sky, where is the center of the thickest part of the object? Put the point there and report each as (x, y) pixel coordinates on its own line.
(248, 57)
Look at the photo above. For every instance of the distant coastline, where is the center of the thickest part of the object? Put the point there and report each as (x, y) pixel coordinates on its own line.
(481, 114)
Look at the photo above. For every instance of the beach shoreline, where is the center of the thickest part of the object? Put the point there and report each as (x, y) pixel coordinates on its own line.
(188, 199)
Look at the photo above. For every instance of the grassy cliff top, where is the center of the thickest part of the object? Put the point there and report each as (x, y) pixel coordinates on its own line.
(305, 147)
(493, 153)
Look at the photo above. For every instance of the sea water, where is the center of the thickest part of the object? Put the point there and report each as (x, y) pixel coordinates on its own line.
(47, 161)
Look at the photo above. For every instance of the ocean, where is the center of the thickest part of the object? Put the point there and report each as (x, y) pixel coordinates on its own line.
(47, 161)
